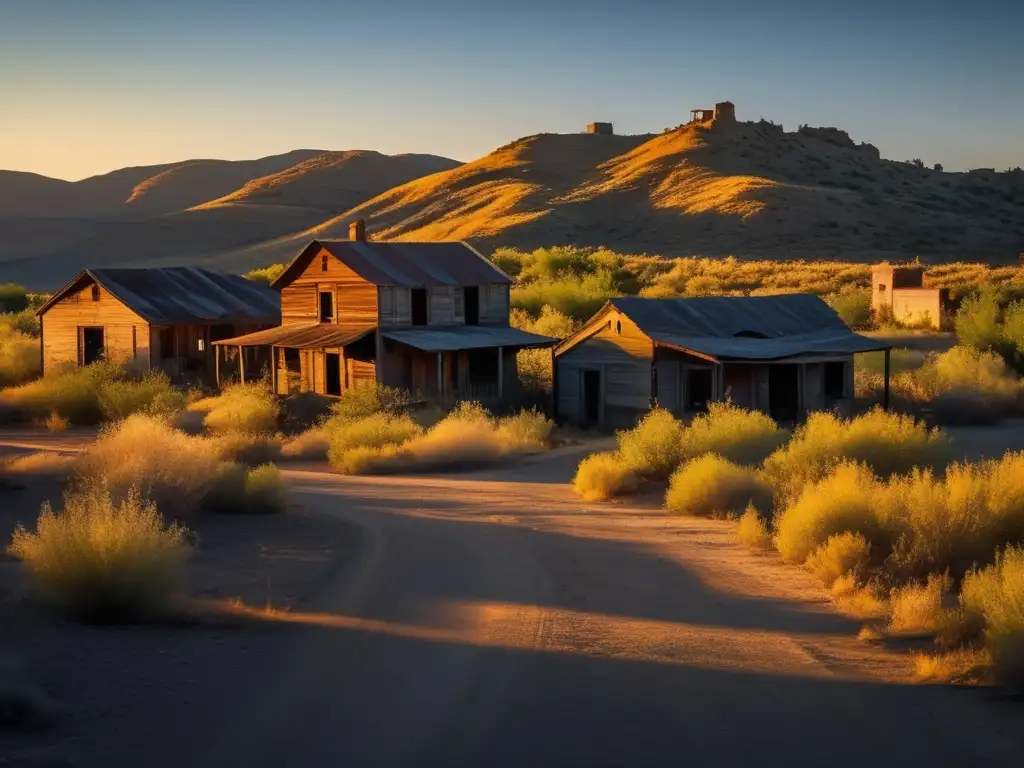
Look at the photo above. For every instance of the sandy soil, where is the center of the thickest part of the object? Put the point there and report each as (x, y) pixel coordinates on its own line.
(491, 618)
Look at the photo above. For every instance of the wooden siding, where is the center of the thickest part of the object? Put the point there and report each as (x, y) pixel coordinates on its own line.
(355, 299)
(126, 334)
(623, 354)
(299, 304)
(442, 306)
(494, 304)
(395, 310)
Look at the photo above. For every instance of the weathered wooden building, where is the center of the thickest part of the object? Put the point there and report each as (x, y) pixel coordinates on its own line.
(786, 355)
(162, 318)
(432, 318)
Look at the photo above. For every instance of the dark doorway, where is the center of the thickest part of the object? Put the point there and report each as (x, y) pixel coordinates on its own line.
(419, 306)
(332, 374)
(472, 304)
(835, 380)
(699, 389)
(92, 345)
(326, 307)
(783, 392)
(591, 397)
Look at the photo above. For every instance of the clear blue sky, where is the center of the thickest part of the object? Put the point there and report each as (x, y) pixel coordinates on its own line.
(87, 86)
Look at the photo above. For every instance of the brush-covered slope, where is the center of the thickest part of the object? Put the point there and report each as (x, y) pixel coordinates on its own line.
(335, 181)
(748, 189)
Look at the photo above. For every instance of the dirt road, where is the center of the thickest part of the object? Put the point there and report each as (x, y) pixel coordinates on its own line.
(490, 621)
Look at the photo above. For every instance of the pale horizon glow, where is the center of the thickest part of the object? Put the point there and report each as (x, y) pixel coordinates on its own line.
(88, 90)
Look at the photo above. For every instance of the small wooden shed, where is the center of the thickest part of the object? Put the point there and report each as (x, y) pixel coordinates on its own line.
(785, 355)
(162, 318)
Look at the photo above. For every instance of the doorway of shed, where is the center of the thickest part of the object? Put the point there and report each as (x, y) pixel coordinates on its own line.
(92, 345)
(471, 303)
(591, 398)
(784, 392)
(332, 374)
(700, 385)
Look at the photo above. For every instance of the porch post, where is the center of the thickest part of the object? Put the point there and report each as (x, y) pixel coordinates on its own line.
(241, 363)
(885, 392)
(216, 364)
(440, 376)
(273, 368)
(501, 375)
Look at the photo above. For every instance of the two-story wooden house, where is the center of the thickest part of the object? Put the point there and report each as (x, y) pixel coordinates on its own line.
(432, 318)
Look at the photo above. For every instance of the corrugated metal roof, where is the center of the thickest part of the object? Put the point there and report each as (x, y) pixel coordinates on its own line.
(182, 295)
(300, 336)
(413, 265)
(746, 327)
(455, 337)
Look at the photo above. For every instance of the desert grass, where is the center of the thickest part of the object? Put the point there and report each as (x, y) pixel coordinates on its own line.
(152, 393)
(102, 558)
(361, 402)
(842, 555)
(888, 443)
(602, 476)
(249, 448)
(374, 431)
(978, 321)
(73, 394)
(737, 434)
(958, 666)
(55, 422)
(312, 444)
(534, 365)
(576, 297)
(752, 531)
(711, 485)
(248, 408)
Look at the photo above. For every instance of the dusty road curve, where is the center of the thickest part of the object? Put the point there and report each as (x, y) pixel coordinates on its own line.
(489, 621)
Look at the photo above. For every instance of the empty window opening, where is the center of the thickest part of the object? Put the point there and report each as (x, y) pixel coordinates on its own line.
(326, 307)
(419, 306)
(471, 301)
(835, 380)
(95, 292)
(323, 262)
(167, 341)
(92, 345)
(881, 287)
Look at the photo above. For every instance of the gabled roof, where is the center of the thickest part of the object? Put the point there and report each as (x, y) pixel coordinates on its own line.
(413, 265)
(739, 327)
(182, 295)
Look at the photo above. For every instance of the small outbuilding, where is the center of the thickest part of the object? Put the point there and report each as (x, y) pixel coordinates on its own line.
(163, 318)
(604, 129)
(785, 355)
(901, 293)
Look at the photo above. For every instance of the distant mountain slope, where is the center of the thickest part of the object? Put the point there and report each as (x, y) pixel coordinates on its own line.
(130, 192)
(335, 181)
(747, 189)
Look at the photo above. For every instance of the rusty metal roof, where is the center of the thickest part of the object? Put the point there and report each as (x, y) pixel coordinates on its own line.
(301, 336)
(183, 295)
(412, 265)
(743, 327)
(454, 337)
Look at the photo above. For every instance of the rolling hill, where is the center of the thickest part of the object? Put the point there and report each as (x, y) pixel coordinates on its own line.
(714, 189)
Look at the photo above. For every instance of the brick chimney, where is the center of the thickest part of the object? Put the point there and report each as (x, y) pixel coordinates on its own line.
(357, 230)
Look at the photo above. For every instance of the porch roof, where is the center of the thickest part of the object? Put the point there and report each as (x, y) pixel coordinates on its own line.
(455, 337)
(825, 342)
(300, 336)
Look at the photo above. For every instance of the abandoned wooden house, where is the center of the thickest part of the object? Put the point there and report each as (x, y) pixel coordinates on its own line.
(785, 355)
(162, 318)
(432, 318)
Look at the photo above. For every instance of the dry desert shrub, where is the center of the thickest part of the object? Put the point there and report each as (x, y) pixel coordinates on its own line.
(104, 559)
(310, 445)
(20, 357)
(367, 460)
(961, 665)
(841, 502)
(888, 443)
(374, 431)
(996, 595)
(246, 408)
(56, 423)
(920, 609)
(152, 393)
(173, 470)
(361, 402)
(843, 555)
(752, 531)
(73, 394)
(711, 485)
(602, 476)
(654, 447)
(265, 491)
(737, 434)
